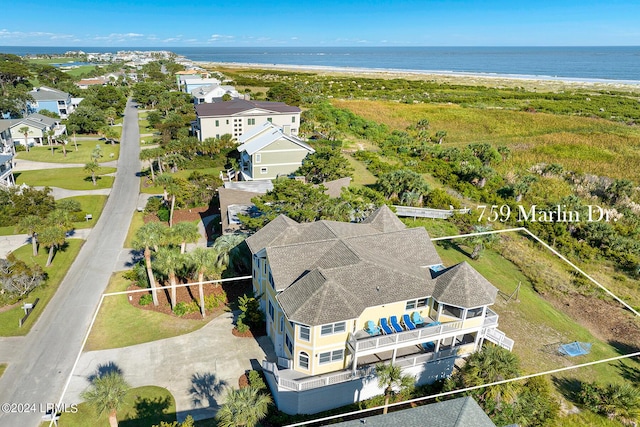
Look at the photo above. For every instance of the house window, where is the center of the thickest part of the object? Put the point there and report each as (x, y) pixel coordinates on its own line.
(271, 280)
(201, 100)
(303, 360)
(289, 344)
(305, 333)
(263, 170)
(217, 123)
(293, 119)
(334, 328)
(281, 323)
(227, 121)
(452, 311)
(271, 311)
(258, 158)
(251, 121)
(331, 356)
(416, 303)
(269, 119)
(475, 312)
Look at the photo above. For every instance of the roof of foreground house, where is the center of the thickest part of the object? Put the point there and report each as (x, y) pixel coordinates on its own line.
(330, 271)
(461, 412)
(44, 93)
(264, 135)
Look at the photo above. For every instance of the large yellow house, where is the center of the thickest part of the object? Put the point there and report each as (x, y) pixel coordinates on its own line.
(341, 297)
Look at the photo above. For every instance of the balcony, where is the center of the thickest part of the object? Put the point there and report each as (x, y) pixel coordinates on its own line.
(362, 344)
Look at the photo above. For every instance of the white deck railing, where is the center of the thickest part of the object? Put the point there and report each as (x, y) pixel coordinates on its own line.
(498, 337)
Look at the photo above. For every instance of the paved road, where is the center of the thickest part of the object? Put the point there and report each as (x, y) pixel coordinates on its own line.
(46, 357)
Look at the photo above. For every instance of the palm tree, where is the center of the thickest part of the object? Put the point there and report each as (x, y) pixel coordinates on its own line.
(109, 134)
(164, 179)
(230, 252)
(49, 134)
(169, 261)
(25, 131)
(52, 237)
(243, 408)
(31, 224)
(204, 261)
(149, 155)
(183, 233)
(92, 167)
(170, 186)
(390, 377)
(150, 235)
(73, 128)
(480, 241)
(107, 394)
(62, 139)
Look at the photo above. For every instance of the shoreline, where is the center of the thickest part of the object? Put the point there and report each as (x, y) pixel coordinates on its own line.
(458, 77)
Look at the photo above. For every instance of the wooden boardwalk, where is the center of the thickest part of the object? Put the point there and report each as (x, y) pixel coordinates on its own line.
(408, 211)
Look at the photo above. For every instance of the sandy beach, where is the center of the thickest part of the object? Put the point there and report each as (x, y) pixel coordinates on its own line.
(544, 83)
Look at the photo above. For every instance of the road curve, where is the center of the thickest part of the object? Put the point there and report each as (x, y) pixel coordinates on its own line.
(47, 354)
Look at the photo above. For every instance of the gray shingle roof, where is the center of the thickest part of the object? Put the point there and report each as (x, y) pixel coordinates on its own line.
(329, 271)
(461, 412)
(236, 106)
(44, 93)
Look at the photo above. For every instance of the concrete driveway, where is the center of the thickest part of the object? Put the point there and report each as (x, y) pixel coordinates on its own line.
(195, 368)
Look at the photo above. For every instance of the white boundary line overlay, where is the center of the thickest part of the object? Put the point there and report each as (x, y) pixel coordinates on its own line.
(582, 365)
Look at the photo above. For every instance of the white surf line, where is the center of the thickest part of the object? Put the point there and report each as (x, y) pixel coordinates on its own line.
(448, 393)
(95, 315)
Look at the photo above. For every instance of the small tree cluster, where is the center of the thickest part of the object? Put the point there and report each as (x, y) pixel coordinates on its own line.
(17, 279)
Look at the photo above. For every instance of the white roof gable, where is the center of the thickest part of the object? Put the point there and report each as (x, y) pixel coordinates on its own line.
(266, 135)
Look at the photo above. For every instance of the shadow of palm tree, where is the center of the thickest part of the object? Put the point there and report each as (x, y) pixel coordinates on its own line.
(206, 387)
(152, 408)
(107, 368)
(568, 387)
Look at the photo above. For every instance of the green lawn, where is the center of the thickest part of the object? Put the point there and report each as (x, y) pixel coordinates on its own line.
(143, 407)
(56, 272)
(119, 324)
(92, 205)
(137, 221)
(3, 366)
(79, 71)
(183, 173)
(8, 230)
(361, 176)
(69, 178)
(82, 156)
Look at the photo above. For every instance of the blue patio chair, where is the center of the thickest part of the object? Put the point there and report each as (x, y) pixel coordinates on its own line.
(372, 328)
(407, 322)
(429, 346)
(395, 324)
(416, 318)
(385, 326)
(432, 324)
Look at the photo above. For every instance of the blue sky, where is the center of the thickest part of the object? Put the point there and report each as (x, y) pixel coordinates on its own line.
(151, 23)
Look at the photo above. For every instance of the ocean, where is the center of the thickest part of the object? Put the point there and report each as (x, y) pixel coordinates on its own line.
(566, 63)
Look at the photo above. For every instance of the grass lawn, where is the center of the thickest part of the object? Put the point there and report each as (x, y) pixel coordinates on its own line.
(56, 272)
(183, 173)
(361, 176)
(80, 70)
(3, 366)
(137, 221)
(534, 324)
(8, 230)
(143, 407)
(92, 205)
(82, 156)
(69, 178)
(119, 324)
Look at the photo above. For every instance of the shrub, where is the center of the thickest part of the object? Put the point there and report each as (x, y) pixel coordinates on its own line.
(153, 205)
(181, 309)
(163, 214)
(241, 326)
(215, 300)
(256, 380)
(145, 299)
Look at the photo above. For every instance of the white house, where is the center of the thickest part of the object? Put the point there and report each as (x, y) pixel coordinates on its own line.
(46, 98)
(238, 116)
(37, 126)
(213, 93)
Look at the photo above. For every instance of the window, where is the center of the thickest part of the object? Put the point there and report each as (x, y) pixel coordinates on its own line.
(251, 121)
(263, 170)
(271, 280)
(334, 328)
(271, 311)
(227, 121)
(201, 100)
(289, 344)
(304, 333)
(452, 311)
(303, 360)
(331, 356)
(475, 312)
(269, 119)
(258, 158)
(217, 123)
(413, 304)
(293, 119)
(281, 323)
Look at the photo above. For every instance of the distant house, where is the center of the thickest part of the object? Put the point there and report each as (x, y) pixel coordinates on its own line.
(37, 125)
(87, 83)
(46, 98)
(6, 155)
(181, 75)
(190, 82)
(342, 297)
(213, 93)
(238, 116)
(268, 151)
(460, 412)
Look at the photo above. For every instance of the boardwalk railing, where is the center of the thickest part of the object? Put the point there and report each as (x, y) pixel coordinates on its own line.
(428, 212)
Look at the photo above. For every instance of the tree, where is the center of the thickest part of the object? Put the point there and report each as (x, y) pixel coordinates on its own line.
(52, 237)
(107, 394)
(149, 156)
(31, 224)
(440, 135)
(243, 408)
(150, 235)
(523, 185)
(169, 261)
(325, 164)
(73, 128)
(13, 70)
(17, 278)
(49, 135)
(390, 376)
(86, 119)
(204, 261)
(480, 241)
(92, 167)
(619, 190)
(96, 153)
(282, 92)
(188, 422)
(400, 182)
(111, 115)
(109, 134)
(24, 130)
(183, 233)
(620, 401)
(62, 139)
(232, 253)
